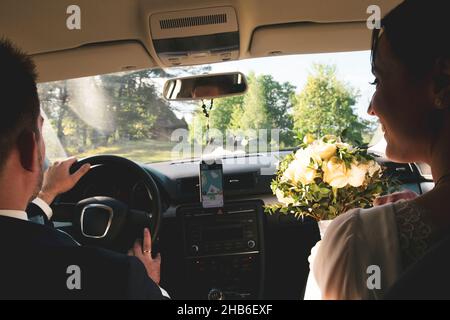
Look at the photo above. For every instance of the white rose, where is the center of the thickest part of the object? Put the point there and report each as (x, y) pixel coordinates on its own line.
(374, 167)
(357, 174)
(306, 175)
(304, 156)
(299, 172)
(335, 173)
(281, 198)
(289, 173)
(325, 150)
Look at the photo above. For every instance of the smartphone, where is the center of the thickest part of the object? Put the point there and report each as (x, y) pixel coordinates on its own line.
(211, 184)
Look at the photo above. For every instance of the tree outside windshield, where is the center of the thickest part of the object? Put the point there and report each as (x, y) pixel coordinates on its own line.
(125, 114)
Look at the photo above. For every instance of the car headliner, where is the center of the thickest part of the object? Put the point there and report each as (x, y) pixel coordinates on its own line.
(116, 36)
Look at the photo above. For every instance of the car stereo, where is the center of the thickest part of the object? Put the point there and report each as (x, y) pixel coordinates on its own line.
(223, 249)
(232, 231)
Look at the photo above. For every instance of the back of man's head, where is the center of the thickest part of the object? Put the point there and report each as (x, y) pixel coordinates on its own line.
(19, 102)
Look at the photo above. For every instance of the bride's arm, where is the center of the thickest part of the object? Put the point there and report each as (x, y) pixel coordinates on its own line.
(312, 290)
(336, 263)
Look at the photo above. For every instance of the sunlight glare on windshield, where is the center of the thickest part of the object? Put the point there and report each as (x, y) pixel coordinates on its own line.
(90, 103)
(288, 97)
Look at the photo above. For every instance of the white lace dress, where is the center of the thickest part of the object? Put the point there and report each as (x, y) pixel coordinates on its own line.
(382, 240)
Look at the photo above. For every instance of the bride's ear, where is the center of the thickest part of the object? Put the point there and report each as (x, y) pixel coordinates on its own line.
(442, 84)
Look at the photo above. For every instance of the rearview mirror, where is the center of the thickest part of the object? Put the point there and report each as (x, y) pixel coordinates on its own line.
(205, 86)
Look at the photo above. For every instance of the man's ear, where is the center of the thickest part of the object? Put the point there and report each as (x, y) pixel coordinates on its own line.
(28, 149)
(442, 84)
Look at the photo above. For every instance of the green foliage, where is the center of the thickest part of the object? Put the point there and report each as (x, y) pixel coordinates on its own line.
(325, 106)
(108, 109)
(128, 108)
(266, 105)
(255, 113)
(320, 197)
(220, 118)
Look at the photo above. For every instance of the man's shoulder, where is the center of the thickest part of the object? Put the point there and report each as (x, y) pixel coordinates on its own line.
(37, 262)
(25, 233)
(74, 273)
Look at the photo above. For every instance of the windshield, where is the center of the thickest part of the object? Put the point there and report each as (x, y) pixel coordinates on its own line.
(288, 97)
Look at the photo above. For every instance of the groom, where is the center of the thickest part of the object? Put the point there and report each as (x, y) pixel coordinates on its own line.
(38, 261)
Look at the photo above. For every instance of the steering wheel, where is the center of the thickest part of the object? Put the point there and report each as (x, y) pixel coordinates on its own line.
(108, 222)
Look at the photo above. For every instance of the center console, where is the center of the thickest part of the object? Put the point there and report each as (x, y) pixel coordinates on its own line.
(224, 250)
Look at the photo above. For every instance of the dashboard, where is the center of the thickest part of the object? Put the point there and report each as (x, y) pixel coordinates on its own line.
(233, 252)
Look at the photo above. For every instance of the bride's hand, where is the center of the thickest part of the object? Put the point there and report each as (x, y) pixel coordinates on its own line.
(394, 197)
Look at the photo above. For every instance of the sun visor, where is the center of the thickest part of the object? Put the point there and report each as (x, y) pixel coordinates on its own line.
(308, 37)
(195, 36)
(92, 60)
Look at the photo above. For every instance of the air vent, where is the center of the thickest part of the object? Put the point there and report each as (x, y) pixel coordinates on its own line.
(193, 21)
(239, 182)
(191, 37)
(189, 185)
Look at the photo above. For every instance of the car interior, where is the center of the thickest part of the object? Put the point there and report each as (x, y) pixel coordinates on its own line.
(232, 251)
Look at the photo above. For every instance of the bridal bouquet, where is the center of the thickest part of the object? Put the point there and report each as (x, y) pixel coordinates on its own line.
(325, 178)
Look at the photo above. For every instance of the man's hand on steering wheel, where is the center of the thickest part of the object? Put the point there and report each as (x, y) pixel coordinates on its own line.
(144, 253)
(58, 179)
(88, 215)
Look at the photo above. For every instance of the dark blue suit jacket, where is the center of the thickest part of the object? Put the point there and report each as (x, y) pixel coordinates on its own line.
(36, 263)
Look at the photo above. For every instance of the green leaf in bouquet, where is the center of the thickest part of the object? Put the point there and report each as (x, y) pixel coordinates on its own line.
(284, 210)
(313, 187)
(335, 194)
(318, 199)
(332, 210)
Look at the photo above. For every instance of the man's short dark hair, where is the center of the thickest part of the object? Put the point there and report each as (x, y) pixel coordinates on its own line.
(19, 101)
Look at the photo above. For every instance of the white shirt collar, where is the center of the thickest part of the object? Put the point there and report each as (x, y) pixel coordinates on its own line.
(14, 214)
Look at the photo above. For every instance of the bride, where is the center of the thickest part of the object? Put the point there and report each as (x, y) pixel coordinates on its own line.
(411, 65)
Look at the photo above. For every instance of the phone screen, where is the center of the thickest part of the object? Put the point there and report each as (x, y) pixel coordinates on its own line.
(211, 184)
